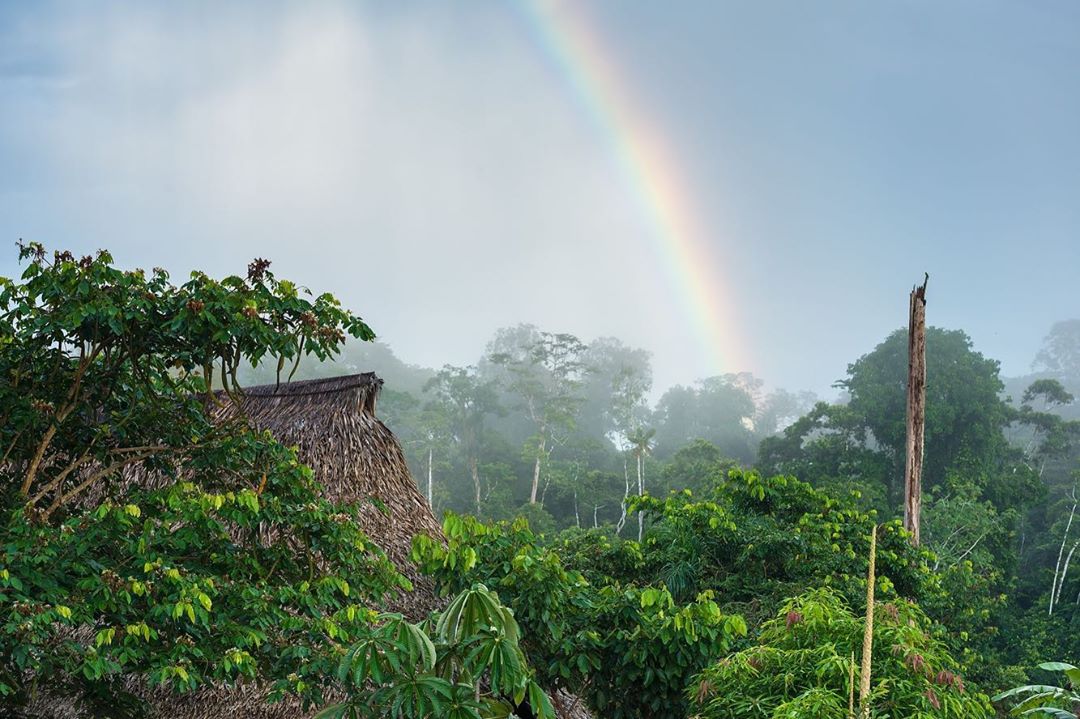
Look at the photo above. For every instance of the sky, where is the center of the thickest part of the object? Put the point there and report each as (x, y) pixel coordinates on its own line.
(733, 186)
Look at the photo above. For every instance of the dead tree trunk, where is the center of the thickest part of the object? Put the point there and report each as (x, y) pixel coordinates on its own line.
(916, 410)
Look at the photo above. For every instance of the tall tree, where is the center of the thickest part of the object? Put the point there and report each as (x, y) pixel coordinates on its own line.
(641, 446)
(433, 434)
(626, 415)
(465, 400)
(545, 376)
(718, 409)
(1060, 351)
(615, 369)
(965, 415)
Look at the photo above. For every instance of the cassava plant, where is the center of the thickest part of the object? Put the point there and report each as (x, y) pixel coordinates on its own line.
(470, 666)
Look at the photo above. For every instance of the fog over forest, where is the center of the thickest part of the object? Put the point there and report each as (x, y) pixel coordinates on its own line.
(724, 186)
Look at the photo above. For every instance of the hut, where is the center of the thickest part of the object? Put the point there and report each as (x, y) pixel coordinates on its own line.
(356, 458)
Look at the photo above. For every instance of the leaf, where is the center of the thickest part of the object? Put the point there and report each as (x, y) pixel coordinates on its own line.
(334, 711)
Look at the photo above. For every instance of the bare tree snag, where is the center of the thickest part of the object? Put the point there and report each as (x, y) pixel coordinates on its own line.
(916, 409)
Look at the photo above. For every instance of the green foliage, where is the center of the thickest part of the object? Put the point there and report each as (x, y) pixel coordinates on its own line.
(801, 666)
(717, 409)
(460, 402)
(469, 667)
(650, 647)
(629, 650)
(1046, 700)
(695, 466)
(757, 540)
(996, 479)
(965, 419)
(228, 566)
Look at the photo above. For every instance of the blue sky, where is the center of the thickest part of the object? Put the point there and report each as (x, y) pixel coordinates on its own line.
(422, 161)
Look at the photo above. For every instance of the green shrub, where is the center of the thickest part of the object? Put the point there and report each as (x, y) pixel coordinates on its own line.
(630, 651)
(802, 667)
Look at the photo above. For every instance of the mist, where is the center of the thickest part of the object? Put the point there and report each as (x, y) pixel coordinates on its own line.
(432, 167)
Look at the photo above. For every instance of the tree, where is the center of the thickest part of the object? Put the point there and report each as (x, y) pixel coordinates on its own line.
(1060, 353)
(641, 446)
(831, 448)
(626, 413)
(780, 409)
(695, 466)
(227, 565)
(614, 389)
(965, 422)
(466, 400)
(545, 374)
(965, 415)
(1051, 436)
(434, 432)
(718, 409)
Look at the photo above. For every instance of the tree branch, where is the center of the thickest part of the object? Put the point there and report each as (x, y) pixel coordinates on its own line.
(58, 480)
(95, 477)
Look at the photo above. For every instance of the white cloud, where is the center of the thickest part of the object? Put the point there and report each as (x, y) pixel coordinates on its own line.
(424, 164)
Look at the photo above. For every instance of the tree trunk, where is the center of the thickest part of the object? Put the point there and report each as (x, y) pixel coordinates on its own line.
(1065, 570)
(536, 469)
(475, 471)
(626, 494)
(916, 411)
(430, 454)
(1061, 553)
(641, 490)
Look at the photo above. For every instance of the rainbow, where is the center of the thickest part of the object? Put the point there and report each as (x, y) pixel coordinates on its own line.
(650, 170)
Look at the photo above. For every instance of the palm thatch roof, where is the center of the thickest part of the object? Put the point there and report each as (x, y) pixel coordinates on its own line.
(357, 459)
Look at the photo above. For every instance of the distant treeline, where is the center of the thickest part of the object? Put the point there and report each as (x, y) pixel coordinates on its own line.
(561, 431)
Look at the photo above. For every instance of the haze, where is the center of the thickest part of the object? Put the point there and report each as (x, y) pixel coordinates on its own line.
(431, 165)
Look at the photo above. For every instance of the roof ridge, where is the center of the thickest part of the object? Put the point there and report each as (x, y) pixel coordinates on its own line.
(321, 385)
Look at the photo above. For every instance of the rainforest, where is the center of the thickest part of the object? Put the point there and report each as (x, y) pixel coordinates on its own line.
(184, 525)
(539, 359)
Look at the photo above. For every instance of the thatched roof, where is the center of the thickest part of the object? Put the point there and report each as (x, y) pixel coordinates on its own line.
(355, 458)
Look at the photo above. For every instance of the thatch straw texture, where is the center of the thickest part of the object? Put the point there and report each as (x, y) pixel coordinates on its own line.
(355, 458)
